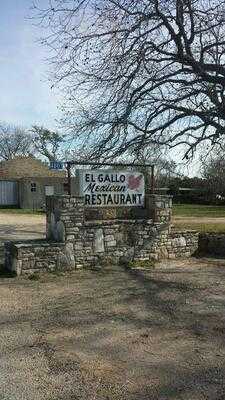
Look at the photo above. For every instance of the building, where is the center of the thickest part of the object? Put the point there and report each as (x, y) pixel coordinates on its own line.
(25, 181)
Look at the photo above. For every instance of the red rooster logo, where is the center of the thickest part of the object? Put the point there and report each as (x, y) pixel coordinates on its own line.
(134, 182)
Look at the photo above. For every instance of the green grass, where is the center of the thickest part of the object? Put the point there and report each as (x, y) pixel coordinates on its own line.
(199, 211)
(196, 226)
(34, 277)
(141, 264)
(19, 211)
(195, 210)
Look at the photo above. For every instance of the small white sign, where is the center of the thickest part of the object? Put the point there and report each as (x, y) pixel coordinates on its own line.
(110, 188)
(49, 190)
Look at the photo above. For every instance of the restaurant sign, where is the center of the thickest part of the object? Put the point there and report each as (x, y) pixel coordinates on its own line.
(110, 188)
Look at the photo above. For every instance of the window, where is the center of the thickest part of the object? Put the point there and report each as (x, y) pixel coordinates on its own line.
(33, 187)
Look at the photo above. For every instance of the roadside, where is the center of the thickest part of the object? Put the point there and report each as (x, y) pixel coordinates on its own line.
(202, 218)
(22, 225)
(200, 224)
(115, 335)
(198, 210)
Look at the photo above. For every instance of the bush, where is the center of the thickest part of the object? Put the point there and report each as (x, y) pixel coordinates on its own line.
(34, 277)
(141, 264)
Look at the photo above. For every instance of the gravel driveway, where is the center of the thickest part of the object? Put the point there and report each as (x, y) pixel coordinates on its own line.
(115, 334)
(21, 226)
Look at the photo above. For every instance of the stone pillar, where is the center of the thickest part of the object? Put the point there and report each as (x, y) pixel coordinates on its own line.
(64, 217)
(159, 208)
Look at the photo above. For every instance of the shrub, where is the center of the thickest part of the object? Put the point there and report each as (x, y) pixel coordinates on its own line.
(141, 264)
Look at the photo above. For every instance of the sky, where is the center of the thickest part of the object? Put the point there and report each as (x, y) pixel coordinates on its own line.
(26, 97)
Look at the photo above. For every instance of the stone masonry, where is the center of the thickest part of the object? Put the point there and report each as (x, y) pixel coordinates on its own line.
(33, 256)
(159, 207)
(74, 242)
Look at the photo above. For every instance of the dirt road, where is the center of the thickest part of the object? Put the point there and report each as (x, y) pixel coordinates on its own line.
(199, 220)
(115, 335)
(21, 226)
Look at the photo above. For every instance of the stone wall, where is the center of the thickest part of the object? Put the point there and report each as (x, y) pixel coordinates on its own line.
(91, 240)
(180, 244)
(212, 244)
(74, 242)
(35, 256)
(121, 240)
(159, 207)
(107, 242)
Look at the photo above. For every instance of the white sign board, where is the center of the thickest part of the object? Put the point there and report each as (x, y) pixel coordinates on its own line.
(110, 188)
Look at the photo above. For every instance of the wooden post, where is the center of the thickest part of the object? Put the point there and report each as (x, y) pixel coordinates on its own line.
(152, 179)
(68, 167)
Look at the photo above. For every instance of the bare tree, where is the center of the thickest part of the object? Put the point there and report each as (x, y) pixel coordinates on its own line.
(47, 143)
(213, 172)
(139, 72)
(213, 168)
(14, 141)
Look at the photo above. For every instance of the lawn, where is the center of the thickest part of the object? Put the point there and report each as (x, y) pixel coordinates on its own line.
(201, 218)
(12, 210)
(200, 227)
(196, 210)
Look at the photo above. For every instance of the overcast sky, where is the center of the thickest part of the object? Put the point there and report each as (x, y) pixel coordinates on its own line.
(26, 97)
